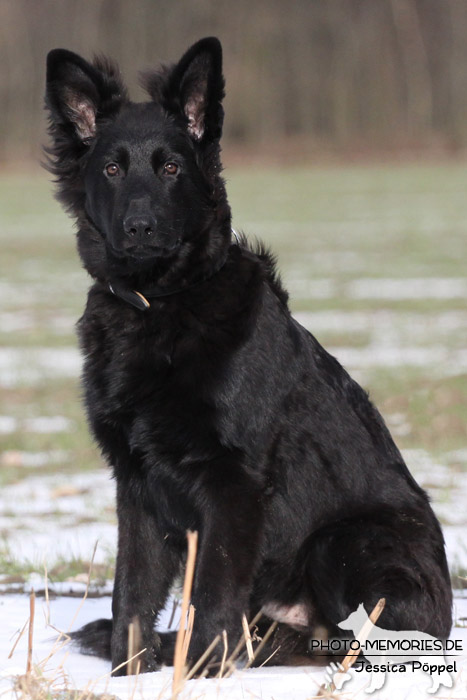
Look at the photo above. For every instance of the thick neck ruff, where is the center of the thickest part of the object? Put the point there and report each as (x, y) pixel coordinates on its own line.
(140, 300)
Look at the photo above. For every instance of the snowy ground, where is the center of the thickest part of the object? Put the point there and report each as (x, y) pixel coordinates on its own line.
(272, 683)
(45, 518)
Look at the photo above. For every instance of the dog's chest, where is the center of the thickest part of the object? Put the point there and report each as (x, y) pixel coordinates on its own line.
(154, 372)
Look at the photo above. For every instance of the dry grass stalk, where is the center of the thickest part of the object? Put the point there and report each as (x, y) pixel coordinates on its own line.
(236, 652)
(32, 611)
(361, 638)
(188, 631)
(203, 658)
(175, 605)
(35, 684)
(63, 637)
(124, 663)
(247, 634)
(47, 601)
(181, 648)
(260, 647)
(17, 639)
(134, 645)
(270, 656)
(241, 643)
(86, 590)
(224, 655)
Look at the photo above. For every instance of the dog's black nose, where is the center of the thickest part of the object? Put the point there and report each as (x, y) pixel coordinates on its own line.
(139, 228)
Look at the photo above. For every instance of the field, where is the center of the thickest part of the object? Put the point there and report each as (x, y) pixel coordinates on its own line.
(374, 259)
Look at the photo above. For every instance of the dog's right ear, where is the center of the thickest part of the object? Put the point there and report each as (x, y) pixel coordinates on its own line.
(78, 93)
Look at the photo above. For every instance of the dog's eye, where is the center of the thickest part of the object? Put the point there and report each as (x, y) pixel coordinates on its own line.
(170, 169)
(112, 169)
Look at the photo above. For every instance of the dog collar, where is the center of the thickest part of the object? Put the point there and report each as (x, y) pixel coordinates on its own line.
(140, 300)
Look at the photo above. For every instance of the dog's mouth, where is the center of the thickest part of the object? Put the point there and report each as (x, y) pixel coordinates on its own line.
(145, 252)
(141, 252)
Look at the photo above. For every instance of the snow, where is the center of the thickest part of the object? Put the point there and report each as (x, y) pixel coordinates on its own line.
(49, 517)
(415, 288)
(275, 683)
(32, 365)
(393, 289)
(20, 458)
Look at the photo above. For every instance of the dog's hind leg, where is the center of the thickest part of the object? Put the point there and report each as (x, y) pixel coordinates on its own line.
(383, 553)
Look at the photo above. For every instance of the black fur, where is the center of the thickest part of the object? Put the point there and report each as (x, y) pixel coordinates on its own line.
(217, 411)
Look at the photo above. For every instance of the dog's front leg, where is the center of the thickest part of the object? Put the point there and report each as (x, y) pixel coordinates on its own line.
(228, 553)
(145, 570)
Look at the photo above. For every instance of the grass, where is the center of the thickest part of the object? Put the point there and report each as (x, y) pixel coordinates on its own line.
(435, 408)
(64, 569)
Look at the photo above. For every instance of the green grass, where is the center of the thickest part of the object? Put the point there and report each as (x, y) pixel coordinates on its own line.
(46, 399)
(436, 408)
(395, 221)
(63, 569)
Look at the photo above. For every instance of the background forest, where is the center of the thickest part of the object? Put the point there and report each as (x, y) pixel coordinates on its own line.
(342, 75)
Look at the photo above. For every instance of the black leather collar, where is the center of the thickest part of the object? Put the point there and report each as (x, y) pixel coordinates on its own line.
(140, 299)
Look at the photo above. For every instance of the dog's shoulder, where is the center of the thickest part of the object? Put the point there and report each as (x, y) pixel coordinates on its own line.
(266, 261)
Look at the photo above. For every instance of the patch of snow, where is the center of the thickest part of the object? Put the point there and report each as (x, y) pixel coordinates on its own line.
(59, 516)
(22, 320)
(272, 683)
(33, 365)
(406, 288)
(48, 424)
(39, 424)
(305, 288)
(387, 355)
(435, 340)
(12, 322)
(8, 424)
(19, 458)
(408, 325)
(457, 456)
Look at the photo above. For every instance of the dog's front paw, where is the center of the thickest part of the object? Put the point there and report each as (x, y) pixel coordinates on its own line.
(143, 658)
(207, 660)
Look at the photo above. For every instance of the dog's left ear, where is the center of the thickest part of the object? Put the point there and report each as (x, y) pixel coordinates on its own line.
(194, 89)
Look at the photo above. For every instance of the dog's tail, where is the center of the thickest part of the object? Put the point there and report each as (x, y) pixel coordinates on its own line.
(94, 638)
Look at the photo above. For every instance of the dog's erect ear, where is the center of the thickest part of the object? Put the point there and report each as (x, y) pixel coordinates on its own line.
(194, 89)
(78, 92)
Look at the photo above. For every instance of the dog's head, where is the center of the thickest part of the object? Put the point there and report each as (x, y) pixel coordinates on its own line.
(142, 179)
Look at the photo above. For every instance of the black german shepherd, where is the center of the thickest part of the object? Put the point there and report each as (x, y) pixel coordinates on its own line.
(217, 411)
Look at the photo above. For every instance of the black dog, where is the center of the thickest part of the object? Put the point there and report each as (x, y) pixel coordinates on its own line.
(217, 411)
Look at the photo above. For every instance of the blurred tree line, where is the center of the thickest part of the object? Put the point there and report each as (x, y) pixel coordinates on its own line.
(370, 73)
